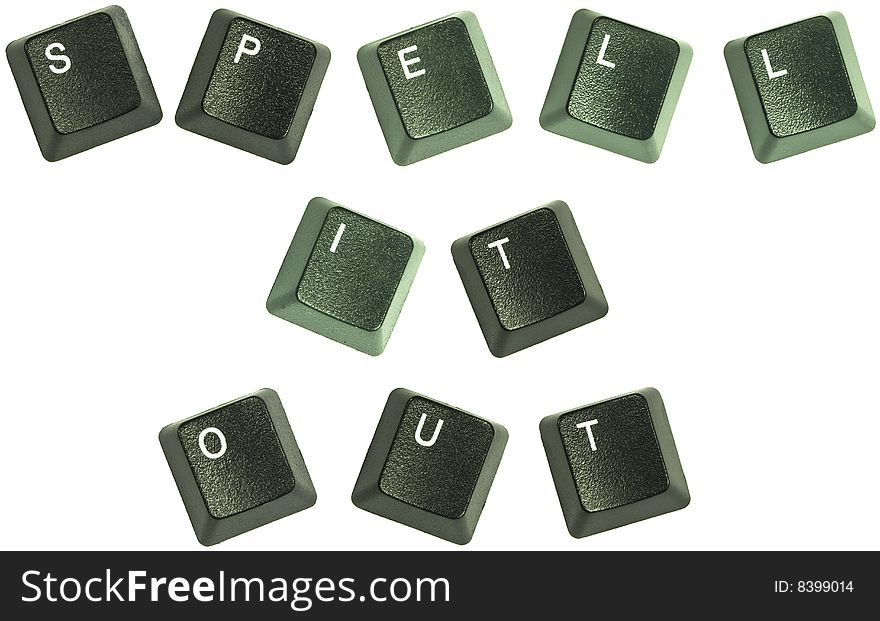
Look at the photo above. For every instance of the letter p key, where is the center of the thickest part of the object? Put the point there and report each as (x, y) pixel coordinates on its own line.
(244, 49)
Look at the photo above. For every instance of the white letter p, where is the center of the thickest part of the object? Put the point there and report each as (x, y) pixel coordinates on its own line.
(244, 49)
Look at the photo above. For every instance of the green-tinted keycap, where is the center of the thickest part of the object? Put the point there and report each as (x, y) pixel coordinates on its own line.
(237, 466)
(84, 83)
(434, 88)
(615, 86)
(529, 279)
(614, 462)
(430, 466)
(345, 276)
(253, 86)
(799, 87)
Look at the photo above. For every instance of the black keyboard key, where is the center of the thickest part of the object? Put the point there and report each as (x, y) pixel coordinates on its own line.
(253, 86)
(430, 466)
(237, 466)
(614, 462)
(529, 278)
(616, 86)
(84, 83)
(799, 87)
(434, 87)
(345, 276)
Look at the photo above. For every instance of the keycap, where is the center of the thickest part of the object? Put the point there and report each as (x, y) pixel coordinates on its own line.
(616, 86)
(345, 276)
(529, 279)
(253, 86)
(799, 87)
(237, 466)
(434, 87)
(430, 466)
(83, 83)
(614, 462)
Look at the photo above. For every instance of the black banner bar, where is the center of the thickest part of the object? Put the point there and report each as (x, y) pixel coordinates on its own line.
(433, 585)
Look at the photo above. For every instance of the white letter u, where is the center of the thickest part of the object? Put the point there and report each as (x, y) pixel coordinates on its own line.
(433, 437)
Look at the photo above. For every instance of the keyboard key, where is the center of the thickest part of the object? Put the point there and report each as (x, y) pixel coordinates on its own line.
(345, 276)
(529, 278)
(434, 87)
(84, 83)
(614, 463)
(430, 466)
(616, 86)
(237, 466)
(253, 86)
(799, 87)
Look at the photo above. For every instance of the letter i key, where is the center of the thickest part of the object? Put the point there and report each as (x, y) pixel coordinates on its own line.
(345, 276)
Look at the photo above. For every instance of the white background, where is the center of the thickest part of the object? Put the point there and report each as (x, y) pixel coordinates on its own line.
(134, 278)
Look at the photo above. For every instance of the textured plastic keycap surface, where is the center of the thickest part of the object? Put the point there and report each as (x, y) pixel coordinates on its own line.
(628, 466)
(453, 90)
(615, 86)
(254, 472)
(83, 83)
(454, 460)
(536, 278)
(259, 92)
(799, 87)
(430, 466)
(345, 276)
(253, 86)
(237, 466)
(357, 280)
(97, 86)
(529, 278)
(614, 462)
(816, 91)
(627, 99)
(434, 87)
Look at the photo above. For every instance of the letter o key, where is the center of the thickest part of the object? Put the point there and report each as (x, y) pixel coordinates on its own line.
(204, 448)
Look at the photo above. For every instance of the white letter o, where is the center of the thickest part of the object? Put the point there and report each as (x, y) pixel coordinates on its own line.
(220, 437)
